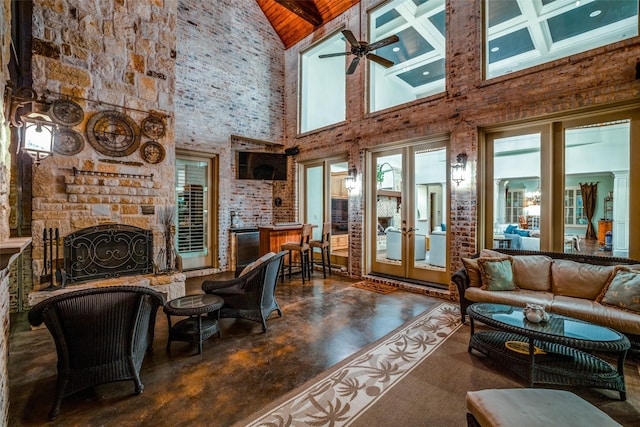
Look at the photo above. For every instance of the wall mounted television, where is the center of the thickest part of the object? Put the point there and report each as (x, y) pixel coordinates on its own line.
(262, 165)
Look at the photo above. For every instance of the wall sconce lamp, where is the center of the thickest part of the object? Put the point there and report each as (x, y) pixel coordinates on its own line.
(458, 168)
(24, 110)
(350, 180)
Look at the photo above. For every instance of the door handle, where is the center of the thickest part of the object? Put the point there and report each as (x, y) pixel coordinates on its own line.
(411, 229)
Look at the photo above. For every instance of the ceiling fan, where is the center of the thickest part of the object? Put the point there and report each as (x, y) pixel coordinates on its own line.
(363, 49)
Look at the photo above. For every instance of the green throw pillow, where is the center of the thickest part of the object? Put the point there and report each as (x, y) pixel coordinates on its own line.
(623, 290)
(497, 274)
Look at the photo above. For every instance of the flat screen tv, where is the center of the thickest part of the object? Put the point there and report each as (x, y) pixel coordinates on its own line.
(261, 165)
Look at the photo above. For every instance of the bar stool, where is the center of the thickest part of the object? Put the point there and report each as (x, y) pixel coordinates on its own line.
(324, 245)
(304, 250)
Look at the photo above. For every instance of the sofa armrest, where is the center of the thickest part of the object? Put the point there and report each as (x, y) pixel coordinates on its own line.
(461, 279)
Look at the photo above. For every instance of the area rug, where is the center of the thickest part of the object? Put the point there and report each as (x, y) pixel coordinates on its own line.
(380, 288)
(418, 376)
(339, 396)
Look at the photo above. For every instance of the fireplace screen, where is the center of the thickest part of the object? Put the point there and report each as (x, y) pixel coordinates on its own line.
(107, 251)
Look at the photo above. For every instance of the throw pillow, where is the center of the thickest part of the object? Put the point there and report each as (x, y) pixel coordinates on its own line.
(532, 272)
(510, 229)
(471, 265)
(256, 263)
(622, 290)
(490, 253)
(496, 274)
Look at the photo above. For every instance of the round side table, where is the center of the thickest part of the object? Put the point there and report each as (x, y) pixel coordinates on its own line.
(196, 328)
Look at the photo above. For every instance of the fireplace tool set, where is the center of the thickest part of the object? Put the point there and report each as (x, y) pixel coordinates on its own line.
(48, 275)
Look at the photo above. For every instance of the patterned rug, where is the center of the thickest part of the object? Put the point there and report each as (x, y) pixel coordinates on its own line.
(380, 288)
(345, 392)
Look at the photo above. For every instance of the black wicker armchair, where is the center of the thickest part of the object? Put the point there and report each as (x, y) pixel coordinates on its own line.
(252, 295)
(101, 335)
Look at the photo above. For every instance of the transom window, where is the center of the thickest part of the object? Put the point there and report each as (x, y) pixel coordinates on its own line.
(419, 56)
(524, 33)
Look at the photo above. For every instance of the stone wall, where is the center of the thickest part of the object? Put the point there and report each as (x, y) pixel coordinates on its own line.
(107, 55)
(602, 76)
(230, 81)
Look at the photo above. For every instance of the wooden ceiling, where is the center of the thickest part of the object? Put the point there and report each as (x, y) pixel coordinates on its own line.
(293, 20)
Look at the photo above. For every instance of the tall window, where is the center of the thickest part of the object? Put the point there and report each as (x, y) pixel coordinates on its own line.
(322, 85)
(418, 57)
(574, 208)
(524, 33)
(514, 205)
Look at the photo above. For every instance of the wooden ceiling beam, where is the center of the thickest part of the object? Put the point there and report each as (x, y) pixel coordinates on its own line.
(305, 9)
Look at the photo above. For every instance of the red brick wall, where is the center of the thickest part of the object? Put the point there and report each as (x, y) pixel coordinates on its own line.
(599, 77)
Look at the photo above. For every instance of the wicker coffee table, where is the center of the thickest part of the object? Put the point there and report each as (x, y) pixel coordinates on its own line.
(561, 351)
(195, 328)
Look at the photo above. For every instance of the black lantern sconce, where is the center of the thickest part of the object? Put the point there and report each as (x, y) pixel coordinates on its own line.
(458, 168)
(24, 110)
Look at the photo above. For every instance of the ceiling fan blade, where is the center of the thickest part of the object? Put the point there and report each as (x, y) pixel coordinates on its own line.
(380, 60)
(351, 38)
(353, 65)
(384, 42)
(329, 55)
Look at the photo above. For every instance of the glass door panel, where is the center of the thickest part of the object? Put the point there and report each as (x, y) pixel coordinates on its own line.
(517, 197)
(339, 209)
(596, 188)
(314, 201)
(193, 231)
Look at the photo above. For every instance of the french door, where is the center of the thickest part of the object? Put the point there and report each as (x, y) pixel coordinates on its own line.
(194, 231)
(408, 232)
(326, 199)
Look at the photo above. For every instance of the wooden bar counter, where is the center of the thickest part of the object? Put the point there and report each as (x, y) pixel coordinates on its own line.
(273, 236)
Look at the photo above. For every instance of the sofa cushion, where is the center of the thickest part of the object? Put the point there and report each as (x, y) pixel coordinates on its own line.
(496, 274)
(623, 321)
(532, 272)
(622, 290)
(520, 297)
(473, 271)
(577, 279)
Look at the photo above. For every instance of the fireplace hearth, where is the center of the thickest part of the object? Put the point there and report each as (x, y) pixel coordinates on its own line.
(107, 251)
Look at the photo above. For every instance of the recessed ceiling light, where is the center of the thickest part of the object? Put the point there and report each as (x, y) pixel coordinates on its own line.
(425, 73)
(396, 49)
(495, 49)
(595, 13)
(577, 3)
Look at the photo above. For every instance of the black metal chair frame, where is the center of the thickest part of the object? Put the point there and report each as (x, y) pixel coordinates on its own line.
(101, 335)
(251, 296)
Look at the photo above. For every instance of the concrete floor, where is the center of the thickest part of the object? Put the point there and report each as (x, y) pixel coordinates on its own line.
(323, 322)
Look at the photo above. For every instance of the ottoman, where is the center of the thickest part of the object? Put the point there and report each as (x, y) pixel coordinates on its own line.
(529, 407)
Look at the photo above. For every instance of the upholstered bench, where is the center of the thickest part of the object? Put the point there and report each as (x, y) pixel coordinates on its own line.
(532, 407)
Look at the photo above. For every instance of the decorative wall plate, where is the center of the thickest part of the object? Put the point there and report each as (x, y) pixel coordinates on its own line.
(67, 141)
(153, 127)
(66, 112)
(113, 133)
(152, 152)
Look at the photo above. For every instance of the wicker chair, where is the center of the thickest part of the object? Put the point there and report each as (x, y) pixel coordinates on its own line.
(101, 335)
(252, 295)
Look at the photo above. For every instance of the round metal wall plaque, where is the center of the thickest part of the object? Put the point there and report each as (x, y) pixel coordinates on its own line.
(113, 133)
(152, 152)
(67, 142)
(153, 127)
(66, 112)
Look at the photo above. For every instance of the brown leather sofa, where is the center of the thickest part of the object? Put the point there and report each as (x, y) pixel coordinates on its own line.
(564, 283)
